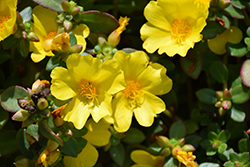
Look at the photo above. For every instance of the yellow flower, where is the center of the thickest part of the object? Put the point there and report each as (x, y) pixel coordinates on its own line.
(7, 18)
(90, 85)
(49, 155)
(81, 32)
(144, 81)
(173, 27)
(144, 159)
(186, 158)
(218, 44)
(45, 27)
(97, 135)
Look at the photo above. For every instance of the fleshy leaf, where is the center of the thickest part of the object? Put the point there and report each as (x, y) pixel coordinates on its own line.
(212, 29)
(171, 162)
(244, 145)
(24, 46)
(219, 72)
(194, 140)
(8, 143)
(117, 153)
(54, 5)
(240, 93)
(70, 147)
(99, 22)
(236, 50)
(26, 14)
(207, 96)
(222, 148)
(237, 4)
(72, 39)
(4, 117)
(9, 42)
(4, 56)
(207, 164)
(9, 98)
(177, 130)
(247, 41)
(191, 126)
(133, 136)
(234, 12)
(245, 73)
(237, 114)
(53, 62)
(224, 136)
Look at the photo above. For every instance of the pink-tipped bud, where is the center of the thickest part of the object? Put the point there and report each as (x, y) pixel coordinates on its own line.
(114, 39)
(19, 18)
(216, 144)
(181, 141)
(162, 141)
(42, 103)
(219, 95)
(218, 104)
(45, 113)
(226, 104)
(188, 148)
(175, 150)
(66, 6)
(32, 37)
(21, 115)
(76, 48)
(75, 10)
(67, 25)
(227, 95)
(24, 34)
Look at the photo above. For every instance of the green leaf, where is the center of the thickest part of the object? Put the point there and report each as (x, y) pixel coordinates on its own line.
(229, 164)
(99, 22)
(205, 144)
(81, 143)
(172, 162)
(54, 5)
(207, 96)
(70, 147)
(194, 140)
(24, 46)
(134, 136)
(225, 155)
(222, 148)
(26, 14)
(247, 41)
(237, 114)
(234, 12)
(53, 62)
(4, 56)
(192, 64)
(234, 157)
(236, 129)
(72, 39)
(191, 126)
(208, 58)
(212, 136)
(219, 72)
(154, 148)
(207, 164)
(4, 117)
(9, 98)
(236, 50)
(8, 143)
(76, 132)
(240, 93)
(24, 145)
(244, 158)
(248, 31)
(245, 73)
(117, 153)
(33, 131)
(47, 132)
(177, 130)
(10, 42)
(244, 145)
(212, 29)
(224, 136)
(211, 151)
(237, 4)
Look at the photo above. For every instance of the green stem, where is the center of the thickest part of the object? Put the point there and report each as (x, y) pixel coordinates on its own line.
(247, 20)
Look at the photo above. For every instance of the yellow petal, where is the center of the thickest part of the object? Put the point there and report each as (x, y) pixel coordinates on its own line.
(62, 84)
(171, 49)
(76, 112)
(154, 79)
(122, 113)
(37, 57)
(86, 158)
(151, 106)
(98, 133)
(143, 158)
(81, 32)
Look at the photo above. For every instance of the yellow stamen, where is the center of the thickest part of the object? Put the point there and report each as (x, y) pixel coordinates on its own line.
(88, 91)
(51, 35)
(2, 20)
(186, 158)
(180, 31)
(133, 90)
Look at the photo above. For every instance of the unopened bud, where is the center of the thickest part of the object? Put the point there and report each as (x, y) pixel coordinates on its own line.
(188, 148)
(218, 104)
(226, 104)
(19, 19)
(67, 25)
(216, 144)
(221, 111)
(75, 10)
(114, 39)
(162, 141)
(165, 152)
(219, 95)
(52, 145)
(42, 103)
(101, 41)
(181, 141)
(45, 113)
(24, 162)
(21, 115)
(224, 3)
(66, 6)
(58, 121)
(32, 37)
(24, 34)
(175, 150)
(227, 95)
(76, 48)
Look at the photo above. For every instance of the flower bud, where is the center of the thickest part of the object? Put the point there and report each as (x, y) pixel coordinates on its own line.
(165, 152)
(188, 148)
(76, 48)
(114, 39)
(175, 150)
(218, 104)
(75, 10)
(24, 34)
(66, 6)
(67, 25)
(224, 3)
(226, 104)
(42, 103)
(227, 95)
(221, 111)
(19, 18)
(23, 162)
(27, 25)
(21, 115)
(181, 141)
(162, 141)
(45, 113)
(32, 37)
(219, 95)
(58, 121)
(101, 41)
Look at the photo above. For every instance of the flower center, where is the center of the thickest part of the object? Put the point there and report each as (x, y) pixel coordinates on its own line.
(180, 31)
(2, 20)
(206, 2)
(51, 35)
(48, 41)
(133, 90)
(88, 91)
